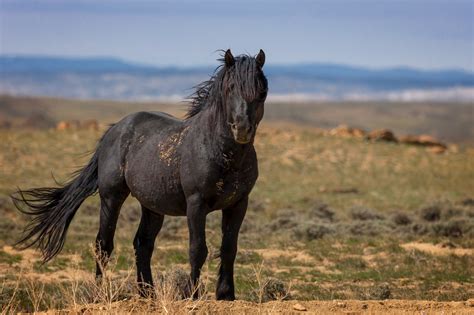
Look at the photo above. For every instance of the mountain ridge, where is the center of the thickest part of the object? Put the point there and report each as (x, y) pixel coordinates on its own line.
(109, 77)
(9, 62)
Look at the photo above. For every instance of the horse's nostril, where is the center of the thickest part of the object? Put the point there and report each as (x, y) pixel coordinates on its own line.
(241, 128)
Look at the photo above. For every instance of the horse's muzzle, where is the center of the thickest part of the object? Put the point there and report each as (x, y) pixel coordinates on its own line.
(242, 132)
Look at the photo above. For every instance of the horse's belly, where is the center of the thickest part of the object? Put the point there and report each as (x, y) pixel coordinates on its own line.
(168, 204)
(167, 201)
(157, 189)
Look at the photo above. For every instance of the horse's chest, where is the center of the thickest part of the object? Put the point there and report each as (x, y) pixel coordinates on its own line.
(232, 188)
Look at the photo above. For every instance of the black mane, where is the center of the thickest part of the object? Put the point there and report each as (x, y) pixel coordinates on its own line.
(245, 74)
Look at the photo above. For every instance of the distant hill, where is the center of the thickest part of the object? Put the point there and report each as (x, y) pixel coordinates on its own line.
(45, 64)
(111, 78)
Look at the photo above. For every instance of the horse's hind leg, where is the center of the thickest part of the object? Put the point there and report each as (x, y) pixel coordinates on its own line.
(144, 242)
(110, 204)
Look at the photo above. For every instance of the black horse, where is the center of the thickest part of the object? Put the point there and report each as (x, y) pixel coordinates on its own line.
(174, 167)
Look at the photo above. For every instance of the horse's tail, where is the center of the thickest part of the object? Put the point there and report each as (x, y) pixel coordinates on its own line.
(52, 209)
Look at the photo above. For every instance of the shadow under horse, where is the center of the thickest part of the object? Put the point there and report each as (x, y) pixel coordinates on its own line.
(189, 167)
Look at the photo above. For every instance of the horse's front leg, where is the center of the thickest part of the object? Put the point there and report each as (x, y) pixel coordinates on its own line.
(196, 215)
(232, 218)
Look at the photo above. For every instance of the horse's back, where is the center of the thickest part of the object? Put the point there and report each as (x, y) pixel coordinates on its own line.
(141, 124)
(132, 126)
(155, 119)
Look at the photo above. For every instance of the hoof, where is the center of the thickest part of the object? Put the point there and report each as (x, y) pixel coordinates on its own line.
(225, 297)
(225, 293)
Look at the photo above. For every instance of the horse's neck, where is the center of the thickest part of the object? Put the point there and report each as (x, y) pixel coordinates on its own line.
(222, 145)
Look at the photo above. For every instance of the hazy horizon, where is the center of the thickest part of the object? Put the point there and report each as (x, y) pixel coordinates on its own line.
(372, 34)
(216, 63)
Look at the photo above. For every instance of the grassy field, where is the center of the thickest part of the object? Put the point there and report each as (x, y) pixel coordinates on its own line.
(451, 122)
(330, 218)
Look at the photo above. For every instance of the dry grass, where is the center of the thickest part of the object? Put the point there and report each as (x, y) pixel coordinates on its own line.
(331, 217)
(117, 292)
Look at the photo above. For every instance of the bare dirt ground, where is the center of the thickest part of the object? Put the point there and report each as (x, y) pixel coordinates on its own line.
(291, 307)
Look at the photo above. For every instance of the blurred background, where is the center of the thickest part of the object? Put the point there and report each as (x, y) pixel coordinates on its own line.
(319, 52)
(324, 53)
(316, 50)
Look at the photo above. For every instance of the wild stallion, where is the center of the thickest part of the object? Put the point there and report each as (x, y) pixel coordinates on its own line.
(174, 167)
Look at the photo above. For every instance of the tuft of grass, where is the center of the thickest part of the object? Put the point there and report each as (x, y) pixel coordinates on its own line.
(9, 259)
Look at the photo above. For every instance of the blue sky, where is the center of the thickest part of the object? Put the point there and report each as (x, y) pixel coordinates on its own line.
(378, 33)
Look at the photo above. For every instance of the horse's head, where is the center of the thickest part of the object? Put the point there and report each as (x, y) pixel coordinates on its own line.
(245, 91)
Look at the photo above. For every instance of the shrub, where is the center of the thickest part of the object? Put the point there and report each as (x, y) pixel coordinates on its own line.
(283, 222)
(322, 211)
(176, 282)
(401, 218)
(380, 292)
(468, 202)
(172, 226)
(287, 219)
(275, 289)
(368, 228)
(312, 231)
(431, 213)
(364, 214)
(420, 228)
(451, 212)
(251, 223)
(449, 228)
(131, 213)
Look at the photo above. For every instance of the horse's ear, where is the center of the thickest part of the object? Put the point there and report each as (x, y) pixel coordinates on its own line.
(229, 59)
(260, 59)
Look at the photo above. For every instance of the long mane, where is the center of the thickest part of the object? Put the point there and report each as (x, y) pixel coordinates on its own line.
(244, 74)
